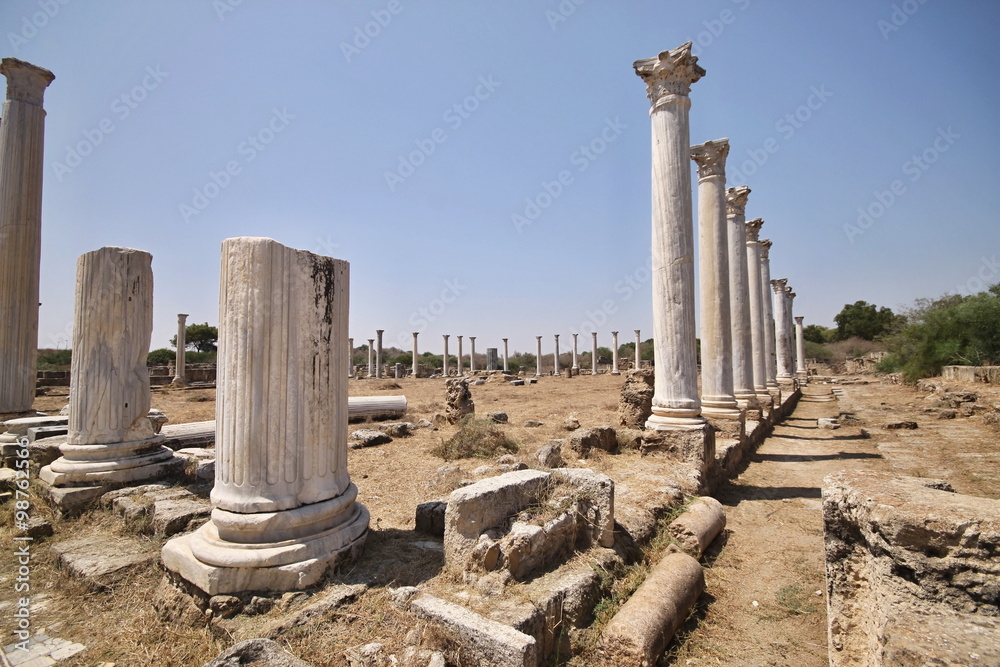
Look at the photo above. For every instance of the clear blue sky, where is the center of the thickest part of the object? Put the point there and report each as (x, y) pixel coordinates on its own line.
(312, 118)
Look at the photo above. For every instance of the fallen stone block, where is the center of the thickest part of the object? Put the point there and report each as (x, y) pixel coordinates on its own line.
(368, 437)
(906, 425)
(397, 429)
(550, 455)
(430, 518)
(698, 526)
(497, 417)
(599, 437)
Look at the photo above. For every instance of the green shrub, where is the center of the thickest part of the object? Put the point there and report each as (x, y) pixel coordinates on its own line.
(479, 438)
(160, 357)
(54, 360)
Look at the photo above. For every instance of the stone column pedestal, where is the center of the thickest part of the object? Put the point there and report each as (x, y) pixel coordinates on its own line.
(668, 78)
(110, 440)
(179, 379)
(614, 354)
(285, 508)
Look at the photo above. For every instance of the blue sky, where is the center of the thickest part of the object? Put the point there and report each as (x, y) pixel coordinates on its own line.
(405, 137)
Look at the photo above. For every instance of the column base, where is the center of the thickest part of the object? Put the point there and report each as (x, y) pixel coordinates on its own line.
(110, 464)
(747, 401)
(219, 567)
(675, 419)
(178, 382)
(730, 426)
(616, 372)
(802, 376)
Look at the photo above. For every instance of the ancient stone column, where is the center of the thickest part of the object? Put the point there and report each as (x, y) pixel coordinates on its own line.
(614, 354)
(350, 357)
(781, 331)
(638, 342)
(739, 299)
(21, 142)
(770, 358)
(505, 368)
(668, 79)
(538, 356)
(555, 358)
(472, 354)
(284, 506)
(576, 364)
(717, 399)
(491, 358)
(414, 370)
(790, 328)
(110, 439)
(801, 372)
(378, 353)
(757, 294)
(445, 369)
(371, 357)
(593, 353)
(460, 372)
(179, 379)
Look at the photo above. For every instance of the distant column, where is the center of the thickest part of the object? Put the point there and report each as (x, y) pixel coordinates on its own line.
(800, 349)
(179, 379)
(378, 353)
(638, 342)
(414, 371)
(472, 354)
(505, 367)
(614, 354)
(538, 356)
(668, 77)
(21, 150)
(350, 357)
(739, 298)
(770, 349)
(444, 370)
(491, 358)
(781, 330)
(555, 358)
(576, 364)
(371, 357)
(756, 309)
(791, 330)
(593, 353)
(460, 372)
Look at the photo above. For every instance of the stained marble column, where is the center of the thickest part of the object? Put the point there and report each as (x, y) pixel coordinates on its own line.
(179, 379)
(538, 356)
(378, 353)
(576, 364)
(781, 331)
(739, 298)
(668, 77)
(444, 370)
(717, 399)
(757, 299)
(22, 134)
(555, 357)
(770, 347)
(505, 366)
(371, 357)
(460, 372)
(110, 439)
(614, 354)
(472, 354)
(284, 506)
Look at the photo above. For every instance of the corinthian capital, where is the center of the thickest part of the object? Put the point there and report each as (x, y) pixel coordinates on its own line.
(753, 229)
(778, 286)
(765, 248)
(670, 73)
(25, 82)
(711, 157)
(736, 200)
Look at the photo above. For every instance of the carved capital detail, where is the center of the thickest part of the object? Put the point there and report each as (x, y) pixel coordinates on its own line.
(670, 73)
(779, 285)
(25, 82)
(736, 200)
(753, 229)
(711, 157)
(765, 249)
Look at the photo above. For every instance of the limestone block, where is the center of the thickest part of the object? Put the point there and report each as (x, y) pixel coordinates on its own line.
(699, 525)
(599, 437)
(430, 518)
(636, 403)
(368, 437)
(100, 561)
(550, 454)
(595, 504)
(458, 399)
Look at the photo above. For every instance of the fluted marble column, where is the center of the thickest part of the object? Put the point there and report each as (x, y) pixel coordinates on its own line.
(668, 78)
(378, 353)
(350, 357)
(505, 366)
(179, 379)
(576, 364)
(717, 399)
(22, 134)
(444, 370)
(801, 372)
(770, 348)
(110, 439)
(614, 354)
(781, 330)
(638, 342)
(555, 358)
(472, 354)
(414, 360)
(284, 505)
(371, 357)
(538, 356)
(757, 300)
(739, 298)
(460, 372)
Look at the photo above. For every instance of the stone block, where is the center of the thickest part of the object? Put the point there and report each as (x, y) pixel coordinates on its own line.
(101, 561)
(550, 454)
(636, 403)
(171, 516)
(599, 437)
(368, 437)
(430, 518)
(699, 524)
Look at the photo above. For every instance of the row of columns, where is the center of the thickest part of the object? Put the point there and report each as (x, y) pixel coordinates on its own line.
(749, 346)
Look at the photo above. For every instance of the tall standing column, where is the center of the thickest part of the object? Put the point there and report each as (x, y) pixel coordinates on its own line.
(717, 399)
(576, 364)
(505, 366)
(752, 228)
(614, 354)
(593, 354)
(790, 328)
(179, 379)
(444, 370)
(781, 330)
(801, 372)
(21, 147)
(110, 439)
(668, 79)
(460, 372)
(538, 356)
(350, 357)
(555, 357)
(371, 357)
(739, 299)
(414, 360)
(284, 506)
(770, 354)
(378, 353)
(638, 342)
(472, 354)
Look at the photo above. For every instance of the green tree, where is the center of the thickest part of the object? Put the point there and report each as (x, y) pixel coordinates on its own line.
(814, 333)
(160, 357)
(864, 320)
(200, 337)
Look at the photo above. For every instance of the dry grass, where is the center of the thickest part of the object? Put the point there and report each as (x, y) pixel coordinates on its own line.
(476, 438)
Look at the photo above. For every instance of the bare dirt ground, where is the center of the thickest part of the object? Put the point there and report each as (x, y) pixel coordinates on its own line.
(771, 554)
